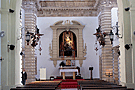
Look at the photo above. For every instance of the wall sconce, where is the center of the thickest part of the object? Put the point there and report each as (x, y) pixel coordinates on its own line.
(119, 53)
(117, 30)
(127, 46)
(11, 11)
(2, 34)
(127, 9)
(111, 35)
(109, 74)
(11, 47)
(1, 58)
(21, 53)
(27, 37)
(134, 32)
(35, 37)
(100, 36)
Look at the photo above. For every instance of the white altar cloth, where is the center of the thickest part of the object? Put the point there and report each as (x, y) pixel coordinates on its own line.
(68, 70)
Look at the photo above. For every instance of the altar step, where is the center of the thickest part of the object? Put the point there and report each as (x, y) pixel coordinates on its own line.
(68, 77)
(69, 83)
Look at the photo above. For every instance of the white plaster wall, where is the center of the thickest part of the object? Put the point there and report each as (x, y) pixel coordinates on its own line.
(43, 60)
(0, 46)
(114, 16)
(18, 44)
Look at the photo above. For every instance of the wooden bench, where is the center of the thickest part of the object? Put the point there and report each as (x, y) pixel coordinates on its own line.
(101, 88)
(99, 85)
(32, 88)
(39, 85)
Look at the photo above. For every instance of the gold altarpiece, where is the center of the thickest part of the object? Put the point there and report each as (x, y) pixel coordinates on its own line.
(67, 42)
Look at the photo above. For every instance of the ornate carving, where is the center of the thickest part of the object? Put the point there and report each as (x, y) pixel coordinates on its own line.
(67, 22)
(54, 63)
(50, 50)
(106, 4)
(58, 23)
(76, 28)
(80, 62)
(84, 50)
(67, 8)
(66, 12)
(66, 3)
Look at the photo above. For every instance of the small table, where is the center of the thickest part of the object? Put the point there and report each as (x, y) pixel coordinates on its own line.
(68, 70)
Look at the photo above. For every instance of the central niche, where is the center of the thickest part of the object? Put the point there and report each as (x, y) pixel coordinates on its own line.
(67, 44)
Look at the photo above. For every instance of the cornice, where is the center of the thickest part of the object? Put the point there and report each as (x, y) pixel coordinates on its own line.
(106, 4)
(68, 8)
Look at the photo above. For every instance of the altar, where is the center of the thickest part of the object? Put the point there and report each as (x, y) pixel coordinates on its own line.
(63, 70)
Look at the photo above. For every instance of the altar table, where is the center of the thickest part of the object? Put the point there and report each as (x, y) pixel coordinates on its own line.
(68, 70)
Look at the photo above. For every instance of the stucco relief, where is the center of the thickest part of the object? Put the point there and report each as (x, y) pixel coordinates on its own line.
(67, 8)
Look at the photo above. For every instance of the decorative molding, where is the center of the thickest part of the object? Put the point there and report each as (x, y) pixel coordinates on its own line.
(80, 62)
(84, 50)
(55, 63)
(58, 8)
(67, 8)
(106, 4)
(66, 13)
(116, 63)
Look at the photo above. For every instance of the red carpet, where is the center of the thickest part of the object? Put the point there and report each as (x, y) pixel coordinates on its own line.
(69, 83)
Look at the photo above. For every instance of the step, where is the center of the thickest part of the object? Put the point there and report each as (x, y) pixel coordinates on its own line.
(69, 83)
(69, 86)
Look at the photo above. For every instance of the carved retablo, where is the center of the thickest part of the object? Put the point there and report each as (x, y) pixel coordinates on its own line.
(65, 45)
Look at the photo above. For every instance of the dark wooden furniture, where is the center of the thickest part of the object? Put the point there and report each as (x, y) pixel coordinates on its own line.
(100, 85)
(91, 68)
(39, 85)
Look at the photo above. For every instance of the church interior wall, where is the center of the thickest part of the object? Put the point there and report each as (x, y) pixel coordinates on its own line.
(10, 24)
(18, 44)
(114, 16)
(0, 46)
(43, 60)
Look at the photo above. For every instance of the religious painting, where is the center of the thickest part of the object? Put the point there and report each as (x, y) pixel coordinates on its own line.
(68, 62)
(67, 44)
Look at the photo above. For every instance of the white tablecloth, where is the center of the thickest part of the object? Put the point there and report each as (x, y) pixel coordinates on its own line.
(68, 70)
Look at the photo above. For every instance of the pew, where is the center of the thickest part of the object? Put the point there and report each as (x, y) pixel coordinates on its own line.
(39, 85)
(32, 88)
(100, 85)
